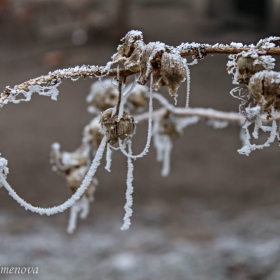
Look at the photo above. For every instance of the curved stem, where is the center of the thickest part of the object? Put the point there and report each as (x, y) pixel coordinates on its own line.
(72, 200)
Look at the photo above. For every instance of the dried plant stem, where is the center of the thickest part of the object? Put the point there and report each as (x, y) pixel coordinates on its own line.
(120, 83)
(205, 49)
(200, 112)
(91, 71)
(53, 77)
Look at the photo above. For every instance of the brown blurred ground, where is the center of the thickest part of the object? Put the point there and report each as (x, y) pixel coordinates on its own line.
(215, 217)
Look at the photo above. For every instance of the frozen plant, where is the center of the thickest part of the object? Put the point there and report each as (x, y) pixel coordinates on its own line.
(118, 108)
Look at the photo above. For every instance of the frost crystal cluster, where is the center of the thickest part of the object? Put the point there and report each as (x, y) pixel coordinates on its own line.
(118, 107)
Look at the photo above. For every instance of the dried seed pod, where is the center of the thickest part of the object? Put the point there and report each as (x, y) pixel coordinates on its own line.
(247, 67)
(103, 95)
(173, 71)
(129, 52)
(115, 130)
(264, 87)
(138, 97)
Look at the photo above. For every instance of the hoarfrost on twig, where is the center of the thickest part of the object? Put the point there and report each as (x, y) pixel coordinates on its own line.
(82, 207)
(129, 190)
(149, 137)
(248, 147)
(188, 84)
(72, 200)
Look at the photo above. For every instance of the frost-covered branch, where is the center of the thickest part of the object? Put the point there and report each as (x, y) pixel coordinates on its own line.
(55, 77)
(200, 50)
(205, 113)
(118, 108)
(265, 47)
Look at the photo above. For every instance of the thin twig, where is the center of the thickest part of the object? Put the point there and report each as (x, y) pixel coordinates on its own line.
(231, 117)
(83, 71)
(120, 83)
(224, 49)
(91, 71)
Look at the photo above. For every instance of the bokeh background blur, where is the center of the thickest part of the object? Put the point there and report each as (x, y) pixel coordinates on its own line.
(217, 215)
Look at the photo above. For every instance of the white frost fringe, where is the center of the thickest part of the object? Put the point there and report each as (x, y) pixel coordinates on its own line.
(129, 191)
(72, 200)
(82, 207)
(149, 137)
(248, 147)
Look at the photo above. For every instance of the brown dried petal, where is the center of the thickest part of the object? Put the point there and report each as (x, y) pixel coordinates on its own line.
(264, 87)
(173, 71)
(144, 59)
(150, 62)
(132, 62)
(130, 51)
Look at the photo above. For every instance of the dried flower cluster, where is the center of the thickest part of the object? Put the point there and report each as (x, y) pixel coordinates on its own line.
(260, 93)
(117, 108)
(157, 59)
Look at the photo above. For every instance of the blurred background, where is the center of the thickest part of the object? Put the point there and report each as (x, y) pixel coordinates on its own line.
(216, 216)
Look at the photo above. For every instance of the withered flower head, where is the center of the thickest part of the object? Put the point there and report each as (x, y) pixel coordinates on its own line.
(115, 129)
(138, 97)
(150, 62)
(247, 67)
(264, 88)
(130, 51)
(73, 166)
(103, 95)
(173, 71)
(167, 68)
